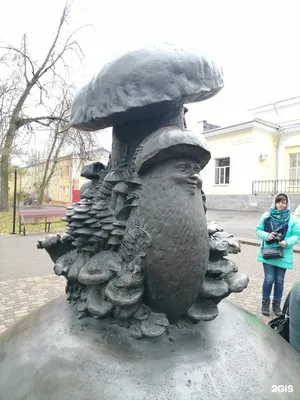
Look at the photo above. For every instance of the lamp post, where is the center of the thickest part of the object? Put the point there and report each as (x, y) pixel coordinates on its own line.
(16, 163)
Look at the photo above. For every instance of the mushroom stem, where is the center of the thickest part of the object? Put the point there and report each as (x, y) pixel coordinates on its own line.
(120, 202)
(113, 201)
(127, 137)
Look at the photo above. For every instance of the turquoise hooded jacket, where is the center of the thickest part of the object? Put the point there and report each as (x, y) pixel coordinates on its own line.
(292, 237)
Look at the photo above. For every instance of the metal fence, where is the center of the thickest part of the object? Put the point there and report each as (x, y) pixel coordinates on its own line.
(285, 186)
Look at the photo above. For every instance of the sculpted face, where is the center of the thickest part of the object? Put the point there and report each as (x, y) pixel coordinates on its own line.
(184, 172)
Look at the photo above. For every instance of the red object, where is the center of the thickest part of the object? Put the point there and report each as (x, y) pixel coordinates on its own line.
(42, 212)
(75, 195)
(36, 213)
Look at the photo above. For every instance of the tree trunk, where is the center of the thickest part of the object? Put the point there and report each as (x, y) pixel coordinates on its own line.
(41, 194)
(50, 165)
(8, 142)
(4, 167)
(4, 206)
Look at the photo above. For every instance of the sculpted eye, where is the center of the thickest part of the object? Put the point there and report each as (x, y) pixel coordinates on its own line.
(197, 169)
(183, 167)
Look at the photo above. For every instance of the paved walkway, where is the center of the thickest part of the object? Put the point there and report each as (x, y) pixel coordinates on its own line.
(27, 280)
(241, 224)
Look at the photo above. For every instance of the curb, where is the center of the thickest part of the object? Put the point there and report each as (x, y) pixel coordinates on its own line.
(254, 242)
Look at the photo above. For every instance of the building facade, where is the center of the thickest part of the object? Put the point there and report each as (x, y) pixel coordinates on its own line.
(254, 160)
(66, 180)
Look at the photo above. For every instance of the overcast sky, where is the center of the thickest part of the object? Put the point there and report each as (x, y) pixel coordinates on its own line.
(256, 42)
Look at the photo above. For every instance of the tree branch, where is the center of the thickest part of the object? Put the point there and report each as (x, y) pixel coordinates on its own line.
(50, 119)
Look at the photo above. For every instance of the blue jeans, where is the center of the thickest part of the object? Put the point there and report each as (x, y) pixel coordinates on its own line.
(273, 276)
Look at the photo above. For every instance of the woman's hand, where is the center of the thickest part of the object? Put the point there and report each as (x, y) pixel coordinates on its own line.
(271, 236)
(283, 244)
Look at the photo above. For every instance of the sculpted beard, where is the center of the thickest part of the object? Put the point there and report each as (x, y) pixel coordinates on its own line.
(177, 259)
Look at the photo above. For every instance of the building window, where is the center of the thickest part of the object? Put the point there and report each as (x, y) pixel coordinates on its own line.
(222, 171)
(295, 166)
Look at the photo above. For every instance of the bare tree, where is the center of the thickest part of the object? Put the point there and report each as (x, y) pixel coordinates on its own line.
(63, 139)
(33, 77)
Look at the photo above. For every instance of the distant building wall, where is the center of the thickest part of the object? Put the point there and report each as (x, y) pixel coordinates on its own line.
(260, 202)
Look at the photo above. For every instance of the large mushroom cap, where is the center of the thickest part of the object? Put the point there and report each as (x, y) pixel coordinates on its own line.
(143, 83)
(170, 142)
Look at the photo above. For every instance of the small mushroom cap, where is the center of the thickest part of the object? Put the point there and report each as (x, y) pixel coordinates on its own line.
(66, 219)
(129, 279)
(125, 312)
(92, 212)
(121, 296)
(84, 187)
(81, 209)
(84, 231)
(97, 225)
(203, 310)
(108, 227)
(104, 214)
(102, 234)
(143, 83)
(114, 241)
(98, 268)
(118, 232)
(100, 206)
(92, 169)
(151, 328)
(80, 217)
(70, 213)
(108, 220)
(142, 313)
(120, 224)
(121, 187)
(88, 194)
(113, 177)
(93, 239)
(221, 267)
(76, 224)
(88, 249)
(170, 142)
(86, 202)
(107, 185)
(96, 302)
(90, 221)
(105, 191)
(81, 239)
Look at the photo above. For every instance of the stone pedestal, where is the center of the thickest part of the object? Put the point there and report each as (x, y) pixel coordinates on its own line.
(50, 354)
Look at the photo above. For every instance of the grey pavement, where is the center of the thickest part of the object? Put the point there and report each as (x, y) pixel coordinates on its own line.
(241, 224)
(20, 258)
(27, 280)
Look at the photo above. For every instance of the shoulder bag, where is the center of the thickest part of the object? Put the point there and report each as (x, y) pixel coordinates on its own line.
(269, 253)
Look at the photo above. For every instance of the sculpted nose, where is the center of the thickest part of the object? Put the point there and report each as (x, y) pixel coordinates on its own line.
(199, 182)
(195, 175)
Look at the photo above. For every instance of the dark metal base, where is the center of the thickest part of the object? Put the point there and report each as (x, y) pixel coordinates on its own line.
(52, 355)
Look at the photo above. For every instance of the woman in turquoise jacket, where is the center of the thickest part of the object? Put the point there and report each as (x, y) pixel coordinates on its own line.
(277, 228)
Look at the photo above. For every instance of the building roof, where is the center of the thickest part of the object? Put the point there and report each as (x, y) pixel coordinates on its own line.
(240, 126)
(281, 103)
